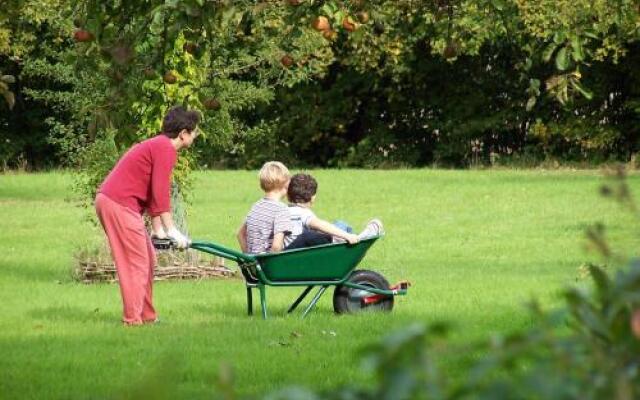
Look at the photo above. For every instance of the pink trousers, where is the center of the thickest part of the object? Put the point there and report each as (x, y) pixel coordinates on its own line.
(134, 257)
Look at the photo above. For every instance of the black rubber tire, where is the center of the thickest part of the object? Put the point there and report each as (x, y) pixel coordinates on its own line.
(347, 300)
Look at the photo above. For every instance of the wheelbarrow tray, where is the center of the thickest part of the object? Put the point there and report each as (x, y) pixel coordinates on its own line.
(329, 263)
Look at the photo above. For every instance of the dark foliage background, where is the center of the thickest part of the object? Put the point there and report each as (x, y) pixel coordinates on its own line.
(388, 84)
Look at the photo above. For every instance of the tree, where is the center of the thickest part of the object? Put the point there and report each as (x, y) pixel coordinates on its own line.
(33, 36)
(388, 82)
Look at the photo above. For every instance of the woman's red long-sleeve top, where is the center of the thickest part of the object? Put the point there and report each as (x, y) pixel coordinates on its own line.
(141, 180)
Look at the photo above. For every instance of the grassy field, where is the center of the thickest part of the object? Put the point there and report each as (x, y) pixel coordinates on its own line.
(475, 244)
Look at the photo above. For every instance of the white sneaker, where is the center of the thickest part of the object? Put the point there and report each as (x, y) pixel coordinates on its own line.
(373, 228)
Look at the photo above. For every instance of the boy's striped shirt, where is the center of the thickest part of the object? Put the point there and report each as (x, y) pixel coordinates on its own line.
(266, 218)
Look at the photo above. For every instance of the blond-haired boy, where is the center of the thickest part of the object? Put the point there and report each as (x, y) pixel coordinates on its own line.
(268, 221)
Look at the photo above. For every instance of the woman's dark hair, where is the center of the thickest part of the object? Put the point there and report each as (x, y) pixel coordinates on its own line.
(178, 119)
(301, 188)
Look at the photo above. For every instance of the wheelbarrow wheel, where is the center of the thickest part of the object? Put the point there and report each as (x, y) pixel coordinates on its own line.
(350, 300)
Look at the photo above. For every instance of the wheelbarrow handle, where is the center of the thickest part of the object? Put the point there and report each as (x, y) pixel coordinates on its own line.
(222, 251)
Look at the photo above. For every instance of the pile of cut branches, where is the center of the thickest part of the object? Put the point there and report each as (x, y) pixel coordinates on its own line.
(97, 266)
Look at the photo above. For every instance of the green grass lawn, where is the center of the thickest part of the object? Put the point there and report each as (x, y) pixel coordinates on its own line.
(475, 244)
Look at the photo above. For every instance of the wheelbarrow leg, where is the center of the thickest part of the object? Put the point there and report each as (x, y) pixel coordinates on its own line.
(263, 300)
(299, 299)
(314, 301)
(249, 300)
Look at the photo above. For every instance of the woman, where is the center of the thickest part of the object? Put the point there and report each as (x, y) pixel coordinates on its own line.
(141, 182)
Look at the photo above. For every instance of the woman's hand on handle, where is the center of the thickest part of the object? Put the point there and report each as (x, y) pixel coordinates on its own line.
(181, 240)
(163, 227)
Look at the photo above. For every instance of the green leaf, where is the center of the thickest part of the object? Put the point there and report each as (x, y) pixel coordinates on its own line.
(593, 321)
(227, 15)
(548, 52)
(561, 93)
(562, 61)
(591, 34)
(534, 84)
(498, 4)
(586, 93)
(8, 78)
(575, 298)
(326, 9)
(559, 37)
(576, 46)
(531, 103)
(10, 98)
(157, 24)
(600, 278)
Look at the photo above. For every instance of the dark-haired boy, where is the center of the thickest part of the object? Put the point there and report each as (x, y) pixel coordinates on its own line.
(307, 229)
(141, 182)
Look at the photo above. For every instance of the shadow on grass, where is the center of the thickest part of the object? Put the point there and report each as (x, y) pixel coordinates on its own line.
(277, 311)
(277, 306)
(93, 366)
(74, 314)
(36, 273)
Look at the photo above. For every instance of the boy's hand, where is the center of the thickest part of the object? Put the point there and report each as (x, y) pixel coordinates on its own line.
(351, 239)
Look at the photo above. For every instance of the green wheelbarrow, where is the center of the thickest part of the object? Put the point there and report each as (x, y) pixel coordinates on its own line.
(319, 266)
